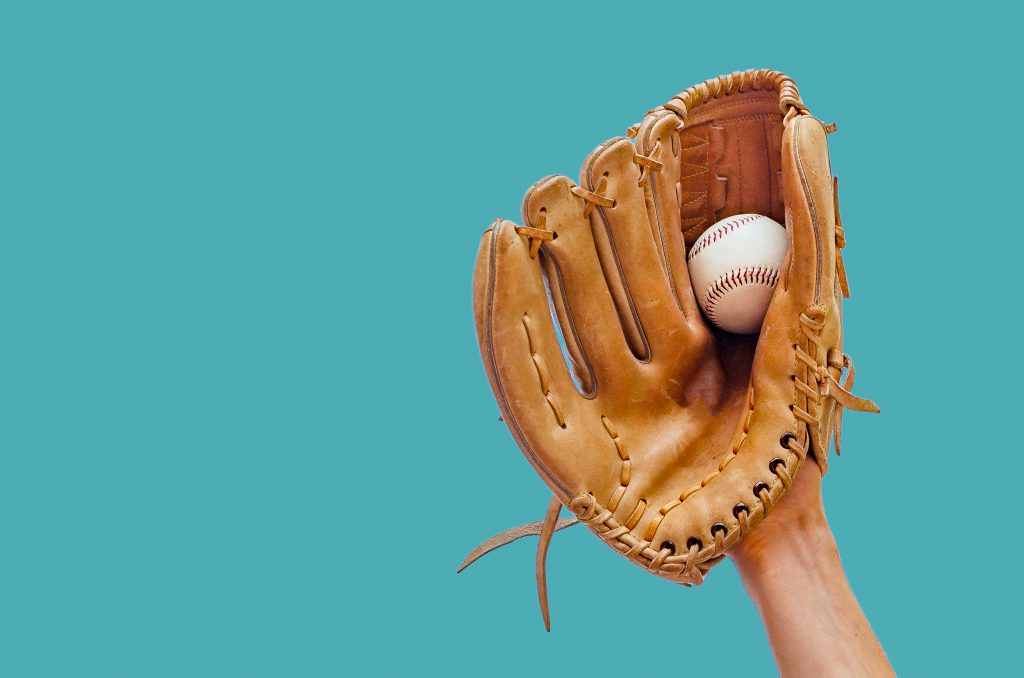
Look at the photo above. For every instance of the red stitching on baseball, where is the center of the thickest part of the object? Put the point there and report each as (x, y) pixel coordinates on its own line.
(759, 275)
(720, 232)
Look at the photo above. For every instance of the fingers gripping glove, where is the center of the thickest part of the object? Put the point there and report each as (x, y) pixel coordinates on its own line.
(668, 438)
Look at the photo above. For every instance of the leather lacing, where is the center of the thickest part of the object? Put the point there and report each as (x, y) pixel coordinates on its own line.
(821, 384)
(844, 285)
(538, 233)
(753, 79)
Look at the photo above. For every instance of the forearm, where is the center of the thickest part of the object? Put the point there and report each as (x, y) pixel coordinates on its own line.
(814, 624)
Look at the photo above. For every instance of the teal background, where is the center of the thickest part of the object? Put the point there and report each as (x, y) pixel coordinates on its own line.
(244, 427)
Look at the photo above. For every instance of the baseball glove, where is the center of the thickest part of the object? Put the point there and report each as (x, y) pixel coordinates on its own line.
(667, 437)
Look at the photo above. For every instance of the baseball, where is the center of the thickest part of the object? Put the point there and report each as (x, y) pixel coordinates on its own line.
(734, 266)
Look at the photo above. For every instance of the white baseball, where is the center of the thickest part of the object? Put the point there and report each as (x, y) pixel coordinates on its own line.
(734, 266)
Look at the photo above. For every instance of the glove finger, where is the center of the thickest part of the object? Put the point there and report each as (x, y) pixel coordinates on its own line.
(520, 349)
(810, 216)
(579, 293)
(658, 140)
(650, 314)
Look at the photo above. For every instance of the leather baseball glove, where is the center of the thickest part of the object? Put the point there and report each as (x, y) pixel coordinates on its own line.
(668, 438)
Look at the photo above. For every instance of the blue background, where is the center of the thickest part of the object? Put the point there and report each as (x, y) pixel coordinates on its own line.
(245, 430)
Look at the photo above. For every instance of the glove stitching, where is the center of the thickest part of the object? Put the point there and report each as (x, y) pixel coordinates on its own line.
(625, 465)
(542, 374)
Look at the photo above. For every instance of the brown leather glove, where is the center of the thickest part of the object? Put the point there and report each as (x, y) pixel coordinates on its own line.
(670, 439)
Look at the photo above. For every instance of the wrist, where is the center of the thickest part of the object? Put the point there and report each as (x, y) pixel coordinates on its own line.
(795, 535)
(805, 545)
(806, 548)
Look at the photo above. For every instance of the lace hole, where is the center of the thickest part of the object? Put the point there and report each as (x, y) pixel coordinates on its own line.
(693, 541)
(719, 527)
(774, 464)
(759, 488)
(740, 508)
(785, 439)
(668, 545)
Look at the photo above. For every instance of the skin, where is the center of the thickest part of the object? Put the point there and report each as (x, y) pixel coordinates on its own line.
(791, 569)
